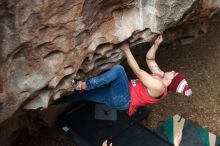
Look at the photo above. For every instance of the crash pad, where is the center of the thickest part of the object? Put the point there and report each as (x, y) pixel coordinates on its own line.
(80, 122)
(193, 134)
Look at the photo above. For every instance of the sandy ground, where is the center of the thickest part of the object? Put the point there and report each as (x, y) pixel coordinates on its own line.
(200, 61)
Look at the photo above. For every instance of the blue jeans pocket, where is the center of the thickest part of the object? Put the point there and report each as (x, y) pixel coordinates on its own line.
(119, 102)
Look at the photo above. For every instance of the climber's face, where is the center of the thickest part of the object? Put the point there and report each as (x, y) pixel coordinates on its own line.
(168, 76)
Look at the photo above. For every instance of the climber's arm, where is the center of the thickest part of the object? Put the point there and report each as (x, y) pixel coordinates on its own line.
(150, 57)
(155, 86)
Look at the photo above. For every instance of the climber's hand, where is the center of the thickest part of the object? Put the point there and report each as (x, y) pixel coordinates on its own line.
(124, 47)
(158, 40)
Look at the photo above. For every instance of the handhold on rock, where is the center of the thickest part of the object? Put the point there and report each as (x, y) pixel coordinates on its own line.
(39, 102)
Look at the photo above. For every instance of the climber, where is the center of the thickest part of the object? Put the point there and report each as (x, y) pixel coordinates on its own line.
(113, 88)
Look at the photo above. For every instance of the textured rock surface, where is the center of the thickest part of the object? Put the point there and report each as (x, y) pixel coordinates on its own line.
(46, 44)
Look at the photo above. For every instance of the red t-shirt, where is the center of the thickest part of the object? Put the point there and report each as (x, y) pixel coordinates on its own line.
(140, 97)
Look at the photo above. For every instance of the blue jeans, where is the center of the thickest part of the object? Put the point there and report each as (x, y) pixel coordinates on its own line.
(110, 88)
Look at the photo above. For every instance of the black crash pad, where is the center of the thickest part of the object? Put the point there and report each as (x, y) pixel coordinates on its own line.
(137, 135)
(85, 130)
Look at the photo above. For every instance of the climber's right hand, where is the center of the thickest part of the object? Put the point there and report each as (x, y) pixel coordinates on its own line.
(124, 47)
(158, 40)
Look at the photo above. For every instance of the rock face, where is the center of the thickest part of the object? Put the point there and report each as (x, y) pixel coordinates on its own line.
(45, 44)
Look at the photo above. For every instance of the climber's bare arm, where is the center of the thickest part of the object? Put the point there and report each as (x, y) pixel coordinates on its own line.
(155, 86)
(150, 57)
